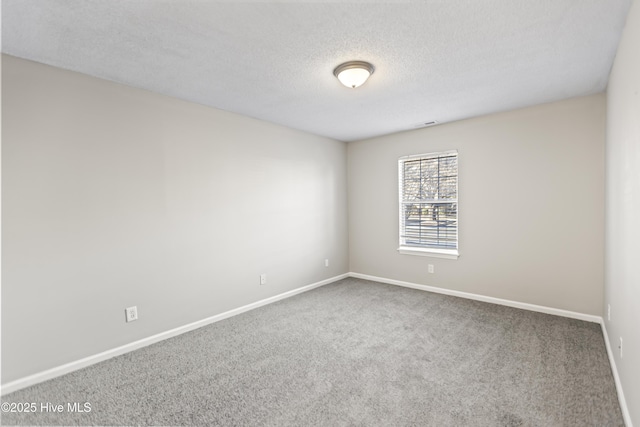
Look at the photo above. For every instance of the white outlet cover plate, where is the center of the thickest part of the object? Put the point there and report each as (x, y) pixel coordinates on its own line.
(131, 313)
(621, 354)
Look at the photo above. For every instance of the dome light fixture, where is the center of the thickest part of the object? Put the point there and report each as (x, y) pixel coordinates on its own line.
(353, 73)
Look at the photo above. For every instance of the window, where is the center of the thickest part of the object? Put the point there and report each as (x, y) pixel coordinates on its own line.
(429, 204)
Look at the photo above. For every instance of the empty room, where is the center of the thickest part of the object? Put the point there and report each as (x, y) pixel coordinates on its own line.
(265, 213)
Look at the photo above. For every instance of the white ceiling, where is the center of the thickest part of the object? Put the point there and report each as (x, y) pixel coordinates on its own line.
(438, 60)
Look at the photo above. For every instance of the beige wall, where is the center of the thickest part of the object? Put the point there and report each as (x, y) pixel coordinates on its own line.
(531, 205)
(114, 197)
(622, 272)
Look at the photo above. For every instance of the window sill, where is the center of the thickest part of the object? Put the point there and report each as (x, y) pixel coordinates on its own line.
(434, 253)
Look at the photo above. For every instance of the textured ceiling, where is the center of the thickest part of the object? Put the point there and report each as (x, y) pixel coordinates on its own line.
(438, 60)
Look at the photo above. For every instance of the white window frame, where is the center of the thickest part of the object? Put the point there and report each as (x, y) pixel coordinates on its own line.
(422, 250)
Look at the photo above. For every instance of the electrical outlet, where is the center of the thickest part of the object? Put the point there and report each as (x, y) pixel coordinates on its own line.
(326, 262)
(430, 268)
(131, 313)
(620, 347)
(609, 312)
(263, 279)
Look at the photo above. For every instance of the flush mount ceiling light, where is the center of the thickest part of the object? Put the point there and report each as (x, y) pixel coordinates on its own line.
(353, 73)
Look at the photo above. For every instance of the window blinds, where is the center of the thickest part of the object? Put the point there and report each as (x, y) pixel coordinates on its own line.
(429, 201)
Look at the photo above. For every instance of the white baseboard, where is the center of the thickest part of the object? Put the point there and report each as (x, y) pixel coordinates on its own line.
(477, 297)
(616, 378)
(91, 360)
(100, 357)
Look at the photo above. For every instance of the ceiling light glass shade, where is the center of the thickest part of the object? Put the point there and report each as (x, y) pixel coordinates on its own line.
(354, 73)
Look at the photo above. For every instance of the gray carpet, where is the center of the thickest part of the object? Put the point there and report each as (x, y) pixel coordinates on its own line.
(352, 353)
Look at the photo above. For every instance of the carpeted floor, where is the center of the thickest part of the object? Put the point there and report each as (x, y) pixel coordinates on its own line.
(352, 353)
